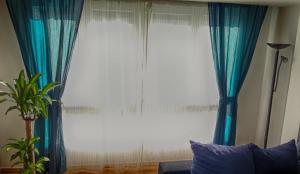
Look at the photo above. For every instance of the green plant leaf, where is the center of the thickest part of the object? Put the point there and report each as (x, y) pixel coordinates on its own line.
(7, 149)
(28, 98)
(33, 140)
(3, 83)
(31, 84)
(22, 148)
(18, 87)
(36, 151)
(11, 108)
(48, 88)
(48, 99)
(17, 163)
(43, 159)
(34, 79)
(3, 100)
(2, 93)
(14, 156)
(22, 79)
(7, 85)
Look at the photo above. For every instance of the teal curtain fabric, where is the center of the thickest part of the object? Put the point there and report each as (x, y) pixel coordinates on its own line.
(234, 30)
(46, 31)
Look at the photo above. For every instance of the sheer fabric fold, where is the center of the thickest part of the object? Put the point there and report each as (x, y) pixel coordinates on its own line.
(141, 84)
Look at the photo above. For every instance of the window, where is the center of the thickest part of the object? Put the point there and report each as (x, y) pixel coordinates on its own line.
(141, 83)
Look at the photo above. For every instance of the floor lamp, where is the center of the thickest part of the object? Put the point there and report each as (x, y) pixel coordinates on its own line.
(276, 70)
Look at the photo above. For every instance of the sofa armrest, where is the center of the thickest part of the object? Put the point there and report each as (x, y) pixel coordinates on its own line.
(299, 167)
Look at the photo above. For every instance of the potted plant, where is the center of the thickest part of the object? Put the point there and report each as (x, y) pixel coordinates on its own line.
(31, 102)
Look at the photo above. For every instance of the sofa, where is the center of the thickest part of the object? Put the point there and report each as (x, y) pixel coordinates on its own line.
(184, 167)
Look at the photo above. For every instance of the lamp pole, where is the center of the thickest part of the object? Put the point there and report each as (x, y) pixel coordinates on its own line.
(276, 70)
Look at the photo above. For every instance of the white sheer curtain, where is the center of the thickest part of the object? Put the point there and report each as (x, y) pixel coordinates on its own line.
(141, 83)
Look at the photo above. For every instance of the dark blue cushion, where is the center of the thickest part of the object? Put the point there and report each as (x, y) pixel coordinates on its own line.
(298, 167)
(298, 150)
(218, 159)
(175, 167)
(281, 159)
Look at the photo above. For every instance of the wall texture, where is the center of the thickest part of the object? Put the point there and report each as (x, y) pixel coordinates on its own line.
(283, 29)
(265, 85)
(286, 32)
(292, 113)
(11, 126)
(250, 93)
(280, 26)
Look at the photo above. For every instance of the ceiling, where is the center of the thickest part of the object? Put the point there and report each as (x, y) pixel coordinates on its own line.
(261, 2)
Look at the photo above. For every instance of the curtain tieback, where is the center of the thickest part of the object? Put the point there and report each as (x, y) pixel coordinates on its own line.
(227, 100)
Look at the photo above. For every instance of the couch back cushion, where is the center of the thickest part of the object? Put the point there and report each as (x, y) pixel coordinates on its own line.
(218, 159)
(276, 160)
(298, 149)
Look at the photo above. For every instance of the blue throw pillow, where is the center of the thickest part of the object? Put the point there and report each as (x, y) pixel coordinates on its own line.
(281, 159)
(218, 159)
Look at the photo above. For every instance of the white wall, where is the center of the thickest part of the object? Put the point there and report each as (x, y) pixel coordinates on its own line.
(286, 32)
(248, 107)
(11, 126)
(280, 25)
(285, 23)
(266, 82)
(292, 114)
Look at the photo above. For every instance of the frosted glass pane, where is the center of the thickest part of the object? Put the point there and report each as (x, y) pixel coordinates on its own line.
(141, 83)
